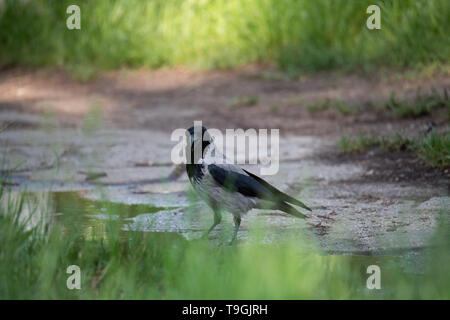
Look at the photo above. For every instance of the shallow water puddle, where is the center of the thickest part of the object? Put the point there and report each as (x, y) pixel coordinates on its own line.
(77, 214)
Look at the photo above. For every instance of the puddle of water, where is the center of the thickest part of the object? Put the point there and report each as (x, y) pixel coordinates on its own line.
(75, 213)
(90, 217)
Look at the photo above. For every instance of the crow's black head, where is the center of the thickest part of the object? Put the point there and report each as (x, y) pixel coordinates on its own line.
(198, 137)
(197, 129)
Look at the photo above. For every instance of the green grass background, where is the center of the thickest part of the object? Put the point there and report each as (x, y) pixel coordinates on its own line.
(291, 34)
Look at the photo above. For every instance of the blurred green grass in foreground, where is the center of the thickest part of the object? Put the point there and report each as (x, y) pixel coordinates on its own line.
(118, 264)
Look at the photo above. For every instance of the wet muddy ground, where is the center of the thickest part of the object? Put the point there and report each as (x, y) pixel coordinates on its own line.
(107, 143)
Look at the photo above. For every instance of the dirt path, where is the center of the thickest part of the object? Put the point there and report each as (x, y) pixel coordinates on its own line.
(162, 100)
(361, 202)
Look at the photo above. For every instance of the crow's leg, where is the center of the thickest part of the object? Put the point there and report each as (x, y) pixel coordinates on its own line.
(237, 223)
(217, 219)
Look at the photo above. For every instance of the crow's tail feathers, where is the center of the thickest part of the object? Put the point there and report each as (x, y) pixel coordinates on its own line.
(277, 194)
(286, 207)
(296, 202)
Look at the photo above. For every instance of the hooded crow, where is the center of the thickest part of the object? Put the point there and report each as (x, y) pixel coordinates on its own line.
(224, 185)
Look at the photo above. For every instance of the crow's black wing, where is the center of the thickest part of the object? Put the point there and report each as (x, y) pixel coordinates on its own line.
(277, 193)
(237, 182)
(252, 186)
